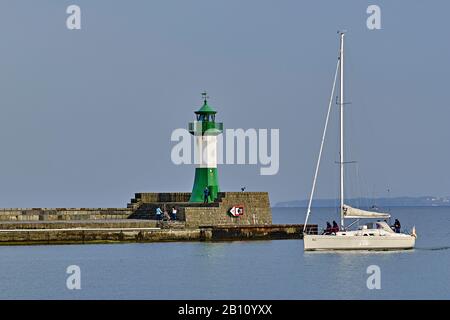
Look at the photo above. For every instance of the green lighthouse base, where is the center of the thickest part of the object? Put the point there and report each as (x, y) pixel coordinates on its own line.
(205, 177)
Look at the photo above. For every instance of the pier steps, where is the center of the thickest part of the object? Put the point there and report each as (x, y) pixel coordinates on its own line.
(148, 210)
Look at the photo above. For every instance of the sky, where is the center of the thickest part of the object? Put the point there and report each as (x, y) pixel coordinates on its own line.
(86, 115)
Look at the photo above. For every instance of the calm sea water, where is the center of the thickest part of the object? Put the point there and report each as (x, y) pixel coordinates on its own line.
(236, 270)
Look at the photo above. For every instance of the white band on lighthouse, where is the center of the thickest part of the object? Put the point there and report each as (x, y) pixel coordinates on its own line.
(206, 151)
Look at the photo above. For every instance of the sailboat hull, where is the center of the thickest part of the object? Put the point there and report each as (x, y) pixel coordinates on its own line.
(333, 242)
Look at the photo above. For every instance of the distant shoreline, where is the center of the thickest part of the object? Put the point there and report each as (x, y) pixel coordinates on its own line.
(425, 201)
(334, 207)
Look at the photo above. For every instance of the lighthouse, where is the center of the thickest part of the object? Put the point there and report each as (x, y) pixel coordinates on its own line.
(205, 130)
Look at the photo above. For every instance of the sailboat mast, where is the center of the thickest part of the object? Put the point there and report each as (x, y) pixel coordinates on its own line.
(341, 153)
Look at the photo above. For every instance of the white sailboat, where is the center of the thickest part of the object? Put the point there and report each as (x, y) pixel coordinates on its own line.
(377, 235)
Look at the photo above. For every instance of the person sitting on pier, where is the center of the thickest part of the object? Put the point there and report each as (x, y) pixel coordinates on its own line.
(166, 215)
(335, 227)
(174, 213)
(327, 231)
(397, 226)
(158, 213)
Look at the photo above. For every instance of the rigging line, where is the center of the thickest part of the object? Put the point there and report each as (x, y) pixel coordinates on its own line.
(321, 147)
(358, 187)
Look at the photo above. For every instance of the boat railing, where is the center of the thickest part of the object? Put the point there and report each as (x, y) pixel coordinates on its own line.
(311, 229)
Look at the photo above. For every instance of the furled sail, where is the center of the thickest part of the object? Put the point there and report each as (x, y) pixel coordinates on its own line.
(353, 213)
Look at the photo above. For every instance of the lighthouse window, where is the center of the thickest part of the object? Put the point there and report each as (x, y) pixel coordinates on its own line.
(206, 117)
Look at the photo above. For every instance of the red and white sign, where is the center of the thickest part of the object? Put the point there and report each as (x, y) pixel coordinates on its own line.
(237, 211)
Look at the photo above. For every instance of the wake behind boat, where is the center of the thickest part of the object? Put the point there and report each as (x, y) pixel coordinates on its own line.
(371, 236)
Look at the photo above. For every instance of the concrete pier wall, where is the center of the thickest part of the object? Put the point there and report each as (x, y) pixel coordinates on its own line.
(25, 237)
(112, 235)
(256, 208)
(53, 214)
(256, 205)
(143, 206)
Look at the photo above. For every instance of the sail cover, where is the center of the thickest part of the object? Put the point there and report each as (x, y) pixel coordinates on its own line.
(354, 213)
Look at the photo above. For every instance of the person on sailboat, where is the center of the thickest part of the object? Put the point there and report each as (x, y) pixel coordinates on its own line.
(328, 229)
(397, 226)
(335, 227)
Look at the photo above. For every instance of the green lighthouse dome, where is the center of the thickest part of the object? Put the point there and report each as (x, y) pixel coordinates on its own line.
(205, 123)
(205, 109)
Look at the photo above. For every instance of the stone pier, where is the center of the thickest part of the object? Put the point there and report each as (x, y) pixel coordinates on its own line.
(137, 222)
(256, 206)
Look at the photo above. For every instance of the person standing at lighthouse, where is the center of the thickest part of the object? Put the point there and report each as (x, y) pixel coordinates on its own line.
(205, 131)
